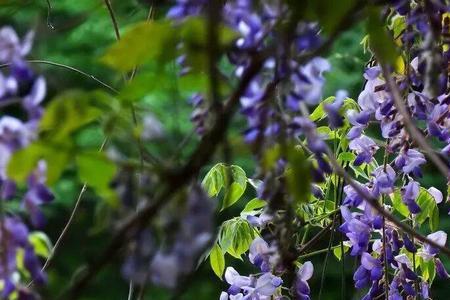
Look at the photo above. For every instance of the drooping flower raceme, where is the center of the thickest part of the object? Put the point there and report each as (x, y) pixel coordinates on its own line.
(20, 85)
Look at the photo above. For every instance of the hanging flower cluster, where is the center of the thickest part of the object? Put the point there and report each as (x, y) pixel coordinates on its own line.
(19, 85)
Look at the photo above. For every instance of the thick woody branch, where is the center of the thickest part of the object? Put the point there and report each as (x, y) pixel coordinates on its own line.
(175, 181)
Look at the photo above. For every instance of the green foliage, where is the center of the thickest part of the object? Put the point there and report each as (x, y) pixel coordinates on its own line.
(230, 178)
(24, 161)
(67, 113)
(337, 251)
(97, 171)
(156, 41)
(235, 236)
(217, 260)
(428, 208)
(427, 267)
(398, 204)
(145, 41)
(346, 157)
(254, 204)
(41, 243)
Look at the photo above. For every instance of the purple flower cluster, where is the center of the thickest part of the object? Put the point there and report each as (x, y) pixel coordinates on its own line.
(264, 286)
(257, 26)
(20, 85)
(377, 107)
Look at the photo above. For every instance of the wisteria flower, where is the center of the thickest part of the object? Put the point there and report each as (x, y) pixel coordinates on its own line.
(304, 273)
(11, 48)
(334, 117)
(384, 178)
(428, 251)
(409, 196)
(410, 162)
(262, 255)
(364, 147)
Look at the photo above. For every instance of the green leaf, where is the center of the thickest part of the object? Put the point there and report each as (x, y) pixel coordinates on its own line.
(194, 37)
(145, 41)
(346, 157)
(428, 209)
(359, 171)
(398, 24)
(237, 187)
(217, 260)
(338, 252)
(24, 162)
(97, 171)
(41, 243)
(319, 112)
(231, 178)
(428, 269)
(194, 32)
(270, 157)
(146, 83)
(398, 204)
(235, 236)
(380, 41)
(254, 204)
(213, 180)
(434, 219)
(67, 113)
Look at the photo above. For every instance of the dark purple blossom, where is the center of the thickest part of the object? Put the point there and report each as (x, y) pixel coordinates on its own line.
(334, 117)
(384, 178)
(409, 196)
(440, 269)
(365, 148)
(304, 273)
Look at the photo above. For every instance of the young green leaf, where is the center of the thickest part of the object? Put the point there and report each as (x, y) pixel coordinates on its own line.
(145, 41)
(97, 171)
(254, 204)
(41, 243)
(217, 260)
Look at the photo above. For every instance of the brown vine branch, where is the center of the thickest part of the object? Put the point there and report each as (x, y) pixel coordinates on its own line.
(175, 181)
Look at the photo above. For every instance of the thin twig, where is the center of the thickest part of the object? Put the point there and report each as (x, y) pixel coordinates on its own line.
(130, 290)
(68, 223)
(113, 18)
(67, 67)
(49, 13)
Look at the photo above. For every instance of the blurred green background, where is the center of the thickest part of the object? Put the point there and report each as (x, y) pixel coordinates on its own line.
(79, 33)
